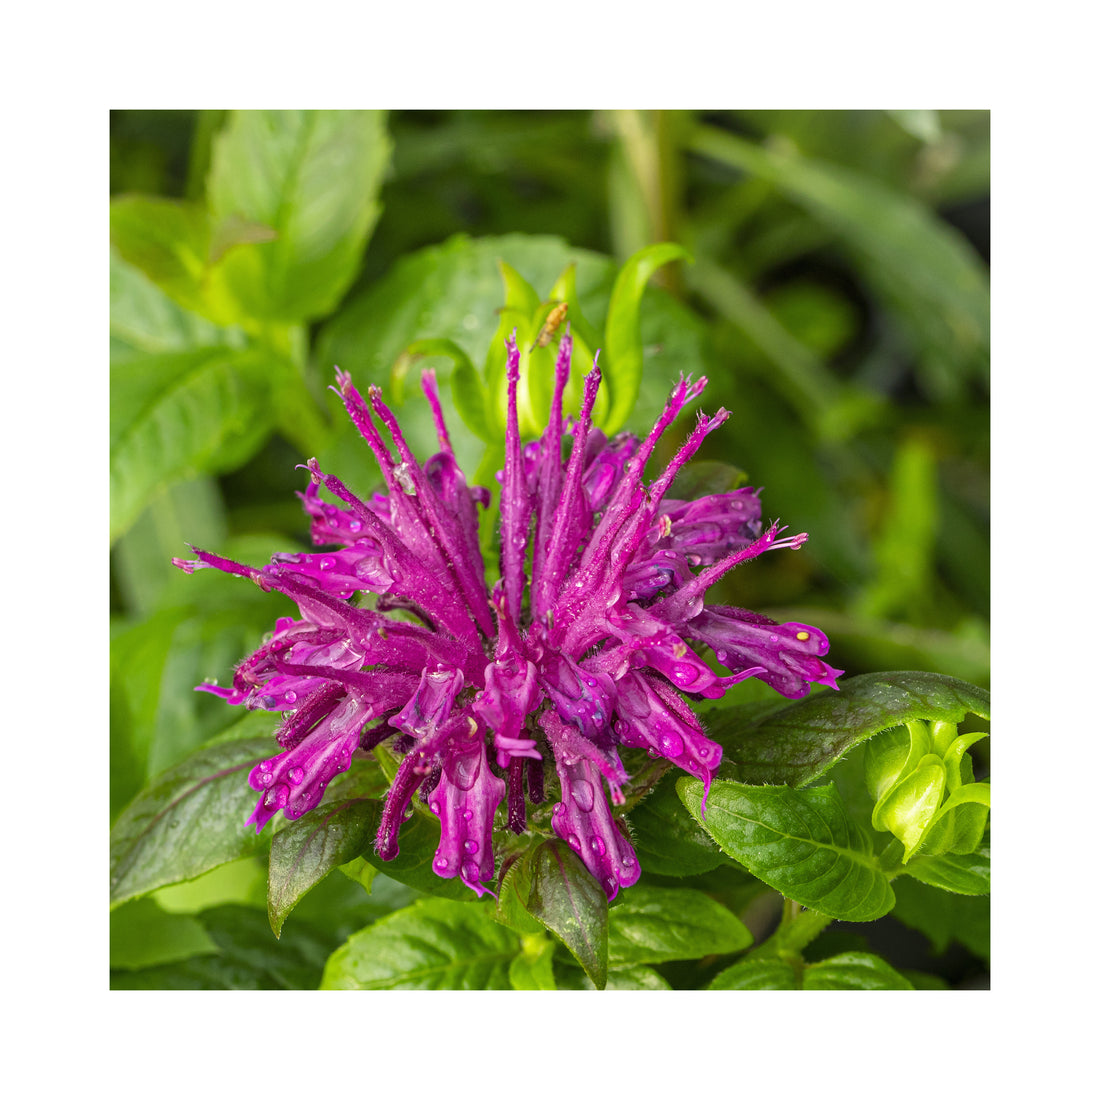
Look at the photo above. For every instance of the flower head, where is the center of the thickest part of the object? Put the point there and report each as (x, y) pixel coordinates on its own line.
(589, 641)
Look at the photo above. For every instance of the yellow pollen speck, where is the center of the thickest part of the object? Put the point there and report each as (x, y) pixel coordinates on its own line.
(803, 635)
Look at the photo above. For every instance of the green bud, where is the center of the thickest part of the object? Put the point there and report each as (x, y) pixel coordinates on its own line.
(909, 808)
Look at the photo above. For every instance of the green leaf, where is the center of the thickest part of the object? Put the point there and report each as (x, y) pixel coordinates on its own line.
(757, 974)
(654, 924)
(550, 884)
(248, 957)
(958, 874)
(622, 339)
(187, 820)
(306, 850)
(433, 944)
(800, 742)
(313, 178)
(142, 934)
(146, 321)
(801, 843)
(177, 416)
(853, 970)
(944, 917)
(533, 968)
(667, 839)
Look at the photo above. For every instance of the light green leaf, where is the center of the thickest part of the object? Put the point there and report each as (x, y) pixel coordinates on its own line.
(177, 416)
(433, 944)
(801, 843)
(313, 178)
(622, 338)
(958, 874)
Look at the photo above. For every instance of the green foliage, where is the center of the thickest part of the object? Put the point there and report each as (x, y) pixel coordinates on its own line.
(837, 300)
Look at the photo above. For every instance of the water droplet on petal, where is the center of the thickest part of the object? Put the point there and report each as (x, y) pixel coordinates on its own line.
(470, 846)
(574, 842)
(471, 872)
(597, 845)
(583, 795)
(441, 863)
(296, 775)
(290, 697)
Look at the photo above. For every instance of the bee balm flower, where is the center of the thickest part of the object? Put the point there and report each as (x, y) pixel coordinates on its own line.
(589, 641)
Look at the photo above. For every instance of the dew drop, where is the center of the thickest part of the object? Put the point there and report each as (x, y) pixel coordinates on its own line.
(296, 775)
(672, 744)
(574, 842)
(326, 563)
(441, 863)
(583, 795)
(290, 697)
(598, 846)
(275, 799)
(434, 806)
(470, 846)
(266, 778)
(470, 871)
(467, 815)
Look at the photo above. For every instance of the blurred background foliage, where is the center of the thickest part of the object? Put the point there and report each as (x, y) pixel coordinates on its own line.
(838, 301)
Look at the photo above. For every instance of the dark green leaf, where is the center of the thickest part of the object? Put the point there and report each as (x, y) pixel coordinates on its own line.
(433, 944)
(801, 741)
(313, 178)
(944, 917)
(652, 924)
(187, 820)
(667, 839)
(801, 843)
(550, 884)
(177, 416)
(249, 957)
(306, 850)
(629, 978)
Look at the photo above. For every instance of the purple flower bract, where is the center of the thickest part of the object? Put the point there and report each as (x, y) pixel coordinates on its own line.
(589, 641)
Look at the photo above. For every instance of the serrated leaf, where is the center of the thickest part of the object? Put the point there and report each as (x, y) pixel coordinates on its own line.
(188, 820)
(178, 416)
(313, 178)
(654, 924)
(798, 743)
(306, 850)
(433, 944)
(801, 843)
(550, 884)
(622, 338)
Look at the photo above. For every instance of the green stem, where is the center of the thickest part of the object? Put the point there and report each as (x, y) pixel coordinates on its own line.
(797, 928)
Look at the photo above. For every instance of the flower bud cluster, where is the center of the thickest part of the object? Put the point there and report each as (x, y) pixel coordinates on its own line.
(922, 779)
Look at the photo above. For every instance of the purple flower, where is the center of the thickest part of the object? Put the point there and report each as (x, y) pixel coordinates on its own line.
(590, 640)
